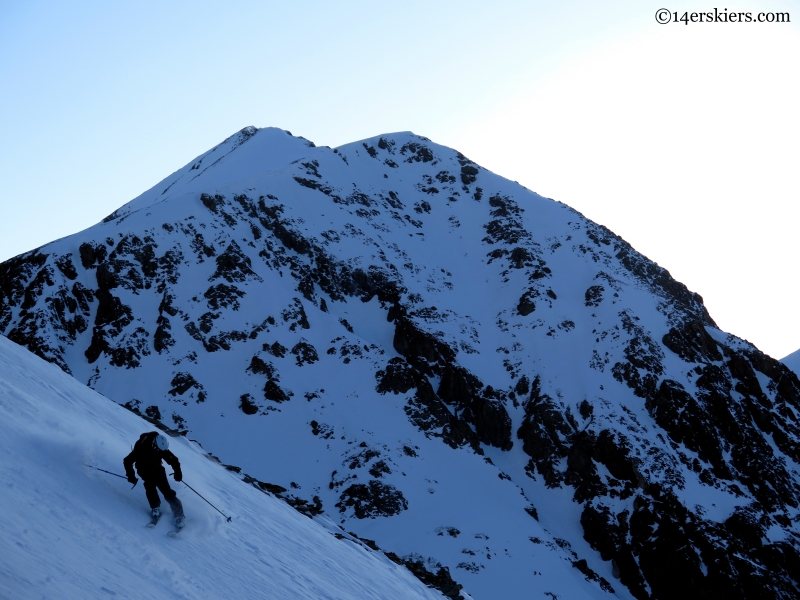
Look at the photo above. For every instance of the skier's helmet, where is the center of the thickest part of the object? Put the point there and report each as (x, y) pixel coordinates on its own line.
(160, 442)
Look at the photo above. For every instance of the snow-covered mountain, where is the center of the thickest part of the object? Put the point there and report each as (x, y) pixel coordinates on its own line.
(792, 361)
(69, 531)
(440, 360)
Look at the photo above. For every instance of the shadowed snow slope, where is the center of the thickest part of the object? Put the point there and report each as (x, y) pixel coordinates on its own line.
(68, 531)
(792, 361)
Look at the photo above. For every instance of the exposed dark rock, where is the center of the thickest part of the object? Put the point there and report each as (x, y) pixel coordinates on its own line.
(322, 430)
(222, 341)
(387, 145)
(64, 309)
(274, 392)
(594, 295)
(83, 296)
(14, 274)
(602, 530)
(417, 152)
(111, 318)
(183, 382)
(656, 278)
(296, 314)
(744, 526)
(590, 575)
(131, 347)
(210, 202)
(430, 415)
(153, 412)
(234, 266)
(371, 150)
(43, 279)
(614, 451)
(247, 405)
(371, 500)
(463, 390)
(269, 217)
(206, 321)
(258, 366)
(441, 580)
(520, 258)
(398, 377)
(692, 343)
(586, 409)
(142, 251)
(277, 349)
(64, 264)
(662, 538)
(379, 469)
(453, 532)
(305, 353)
(469, 174)
(643, 368)
(421, 349)
(526, 305)
(686, 422)
(581, 472)
(610, 449)
(223, 296)
(545, 435)
(198, 244)
(91, 254)
(29, 333)
(162, 338)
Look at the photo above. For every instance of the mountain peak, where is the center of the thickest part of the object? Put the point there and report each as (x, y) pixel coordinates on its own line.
(472, 375)
(245, 154)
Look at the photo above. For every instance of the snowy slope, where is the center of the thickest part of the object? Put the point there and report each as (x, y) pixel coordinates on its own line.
(466, 372)
(792, 361)
(266, 149)
(67, 531)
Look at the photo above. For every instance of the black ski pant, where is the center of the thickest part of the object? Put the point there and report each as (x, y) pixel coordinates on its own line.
(157, 480)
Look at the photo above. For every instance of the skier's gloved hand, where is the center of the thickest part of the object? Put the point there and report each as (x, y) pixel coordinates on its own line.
(178, 476)
(132, 479)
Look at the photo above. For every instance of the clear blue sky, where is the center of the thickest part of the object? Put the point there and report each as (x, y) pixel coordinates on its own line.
(681, 138)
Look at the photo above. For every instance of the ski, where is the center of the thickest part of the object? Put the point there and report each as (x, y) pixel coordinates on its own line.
(180, 523)
(153, 522)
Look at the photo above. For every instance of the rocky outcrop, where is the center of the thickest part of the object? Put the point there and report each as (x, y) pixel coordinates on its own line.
(477, 406)
(617, 385)
(371, 500)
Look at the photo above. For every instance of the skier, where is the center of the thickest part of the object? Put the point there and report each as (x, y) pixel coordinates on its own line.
(147, 454)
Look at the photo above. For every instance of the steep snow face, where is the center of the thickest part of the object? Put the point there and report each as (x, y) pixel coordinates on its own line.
(69, 531)
(441, 360)
(248, 153)
(792, 361)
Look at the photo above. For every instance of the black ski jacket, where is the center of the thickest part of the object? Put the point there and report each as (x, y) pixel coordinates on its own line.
(147, 458)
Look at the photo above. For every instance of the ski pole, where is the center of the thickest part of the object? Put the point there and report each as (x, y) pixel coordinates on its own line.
(209, 503)
(110, 473)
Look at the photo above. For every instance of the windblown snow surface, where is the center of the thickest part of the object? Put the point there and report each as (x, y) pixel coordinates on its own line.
(477, 378)
(69, 531)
